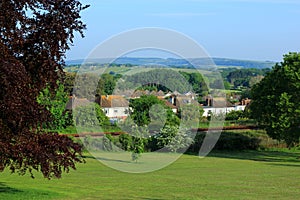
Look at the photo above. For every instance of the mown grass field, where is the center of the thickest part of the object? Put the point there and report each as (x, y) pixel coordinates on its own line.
(239, 175)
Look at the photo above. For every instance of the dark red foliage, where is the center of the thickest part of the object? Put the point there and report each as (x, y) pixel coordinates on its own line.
(34, 36)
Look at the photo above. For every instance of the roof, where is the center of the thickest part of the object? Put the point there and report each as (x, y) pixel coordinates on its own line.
(169, 104)
(75, 102)
(110, 101)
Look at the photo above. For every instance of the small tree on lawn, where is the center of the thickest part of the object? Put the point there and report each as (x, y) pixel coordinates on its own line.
(137, 145)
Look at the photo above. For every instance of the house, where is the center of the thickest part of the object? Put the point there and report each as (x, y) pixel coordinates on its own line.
(115, 107)
(176, 100)
(219, 105)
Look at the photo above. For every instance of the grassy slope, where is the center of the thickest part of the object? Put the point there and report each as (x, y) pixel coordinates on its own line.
(251, 175)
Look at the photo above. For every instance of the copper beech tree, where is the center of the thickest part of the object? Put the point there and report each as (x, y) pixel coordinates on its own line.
(34, 36)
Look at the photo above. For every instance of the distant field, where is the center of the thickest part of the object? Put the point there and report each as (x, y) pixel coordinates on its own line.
(130, 70)
(231, 175)
(209, 76)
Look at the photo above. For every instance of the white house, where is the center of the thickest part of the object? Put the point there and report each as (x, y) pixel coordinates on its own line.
(115, 107)
(208, 110)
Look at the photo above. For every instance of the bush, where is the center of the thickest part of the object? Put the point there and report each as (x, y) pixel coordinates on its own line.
(125, 141)
(228, 141)
(234, 115)
(99, 144)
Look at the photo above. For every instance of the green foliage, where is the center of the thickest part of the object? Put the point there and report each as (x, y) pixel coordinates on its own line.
(232, 141)
(137, 146)
(276, 100)
(135, 140)
(55, 102)
(157, 79)
(141, 107)
(106, 84)
(85, 85)
(234, 115)
(246, 94)
(104, 143)
(125, 141)
(165, 135)
(181, 141)
(197, 82)
(89, 84)
(90, 115)
(68, 81)
(217, 84)
(190, 115)
(143, 115)
(244, 78)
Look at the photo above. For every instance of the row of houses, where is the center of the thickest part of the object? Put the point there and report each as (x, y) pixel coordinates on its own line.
(116, 107)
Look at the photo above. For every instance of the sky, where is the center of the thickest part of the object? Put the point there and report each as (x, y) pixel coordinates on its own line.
(239, 29)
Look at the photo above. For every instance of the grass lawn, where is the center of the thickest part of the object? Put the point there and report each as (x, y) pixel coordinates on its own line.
(239, 175)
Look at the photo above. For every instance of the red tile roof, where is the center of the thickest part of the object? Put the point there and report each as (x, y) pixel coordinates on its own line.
(109, 101)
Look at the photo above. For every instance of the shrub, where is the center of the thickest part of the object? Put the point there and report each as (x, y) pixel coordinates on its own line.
(228, 141)
(125, 141)
(234, 115)
(98, 143)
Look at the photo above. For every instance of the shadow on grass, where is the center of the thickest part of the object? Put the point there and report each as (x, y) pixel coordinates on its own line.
(262, 156)
(5, 189)
(114, 160)
(285, 165)
(106, 159)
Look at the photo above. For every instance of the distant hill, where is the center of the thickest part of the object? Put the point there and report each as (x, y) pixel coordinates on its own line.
(199, 62)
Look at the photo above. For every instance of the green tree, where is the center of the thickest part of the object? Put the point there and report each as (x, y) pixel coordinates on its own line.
(90, 116)
(137, 145)
(174, 138)
(56, 104)
(182, 140)
(276, 100)
(191, 114)
(109, 84)
(85, 85)
(234, 115)
(197, 82)
(141, 107)
(165, 135)
(141, 111)
(68, 81)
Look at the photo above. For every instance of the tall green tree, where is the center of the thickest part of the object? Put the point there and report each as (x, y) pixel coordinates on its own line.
(34, 37)
(276, 100)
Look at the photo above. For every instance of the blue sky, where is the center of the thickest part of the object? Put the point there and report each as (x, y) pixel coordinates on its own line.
(241, 29)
